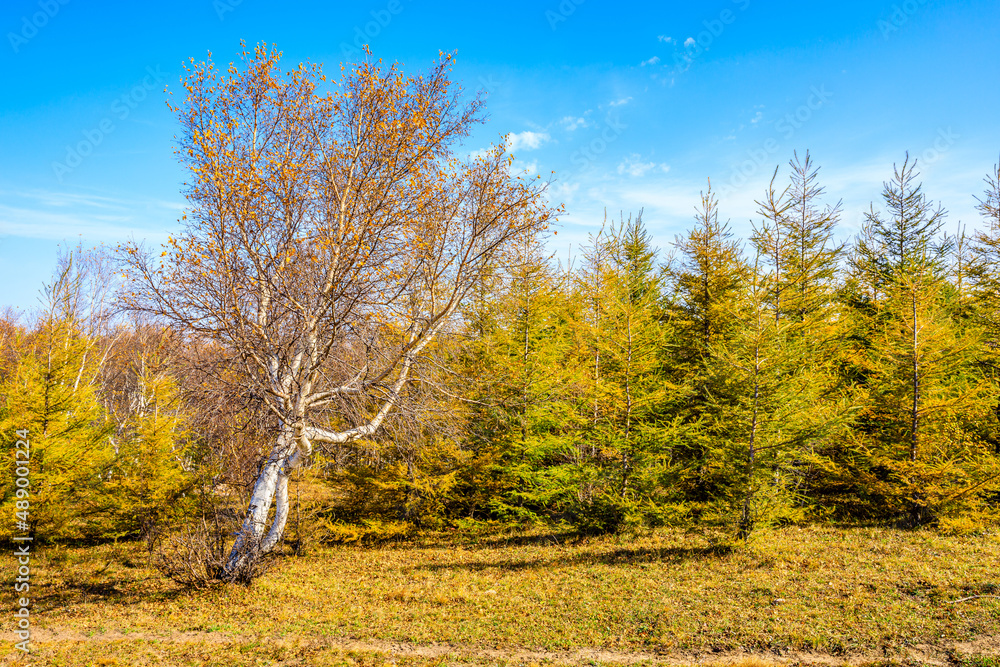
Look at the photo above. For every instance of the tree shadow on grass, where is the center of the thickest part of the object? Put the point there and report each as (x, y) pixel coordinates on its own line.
(540, 540)
(101, 592)
(445, 542)
(619, 556)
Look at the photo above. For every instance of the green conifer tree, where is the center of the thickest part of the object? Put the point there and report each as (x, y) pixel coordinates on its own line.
(917, 462)
(706, 286)
(51, 395)
(984, 274)
(151, 468)
(528, 402)
(628, 332)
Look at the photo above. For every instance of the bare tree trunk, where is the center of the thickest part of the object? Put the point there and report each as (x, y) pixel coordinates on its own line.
(281, 508)
(271, 486)
(627, 449)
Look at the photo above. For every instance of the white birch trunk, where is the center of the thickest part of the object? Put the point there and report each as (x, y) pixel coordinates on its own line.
(272, 481)
(280, 512)
(291, 448)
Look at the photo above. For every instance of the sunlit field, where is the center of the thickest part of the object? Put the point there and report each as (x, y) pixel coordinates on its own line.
(802, 596)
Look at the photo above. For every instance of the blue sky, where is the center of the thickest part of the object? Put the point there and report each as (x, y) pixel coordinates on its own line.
(631, 105)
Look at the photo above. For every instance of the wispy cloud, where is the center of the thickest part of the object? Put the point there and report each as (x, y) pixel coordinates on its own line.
(527, 140)
(635, 167)
(664, 38)
(651, 61)
(526, 168)
(563, 192)
(40, 224)
(572, 123)
(621, 102)
(55, 215)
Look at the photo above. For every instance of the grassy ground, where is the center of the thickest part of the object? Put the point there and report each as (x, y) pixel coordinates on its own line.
(807, 596)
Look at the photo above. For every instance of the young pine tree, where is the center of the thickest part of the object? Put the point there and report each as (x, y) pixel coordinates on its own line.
(774, 404)
(812, 256)
(796, 241)
(767, 412)
(707, 284)
(917, 459)
(51, 394)
(151, 467)
(984, 273)
(627, 333)
(528, 399)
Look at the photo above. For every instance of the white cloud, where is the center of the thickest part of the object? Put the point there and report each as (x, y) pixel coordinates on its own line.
(635, 167)
(664, 38)
(55, 215)
(572, 123)
(756, 118)
(689, 41)
(526, 140)
(562, 192)
(651, 61)
(528, 168)
(622, 101)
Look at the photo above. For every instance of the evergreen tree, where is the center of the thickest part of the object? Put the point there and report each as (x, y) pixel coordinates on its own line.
(984, 273)
(528, 400)
(915, 457)
(768, 412)
(710, 278)
(771, 241)
(89, 478)
(51, 395)
(812, 255)
(906, 236)
(628, 333)
(707, 286)
(151, 467)
(795, 238)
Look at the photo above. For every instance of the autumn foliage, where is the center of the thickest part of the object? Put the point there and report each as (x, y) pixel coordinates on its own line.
(359, 332)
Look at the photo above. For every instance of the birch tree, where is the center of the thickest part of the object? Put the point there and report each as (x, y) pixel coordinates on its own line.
(330, 238)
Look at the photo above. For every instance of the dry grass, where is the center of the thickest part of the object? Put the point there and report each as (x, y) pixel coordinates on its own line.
(837, 592)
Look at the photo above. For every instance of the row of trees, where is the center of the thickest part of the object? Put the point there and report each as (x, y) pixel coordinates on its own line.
(110, 447)
(790, 378)
(795, 378)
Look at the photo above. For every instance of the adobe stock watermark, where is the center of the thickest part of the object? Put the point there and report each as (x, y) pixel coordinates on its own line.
(30, 25)
(899, 17)
(943, 142)
(586, 156)
(697, 45)
(562, 12)
(121, 108)
(761, 156)
(22, 540)
(223, 7)
(381, 18)
(489, 83)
